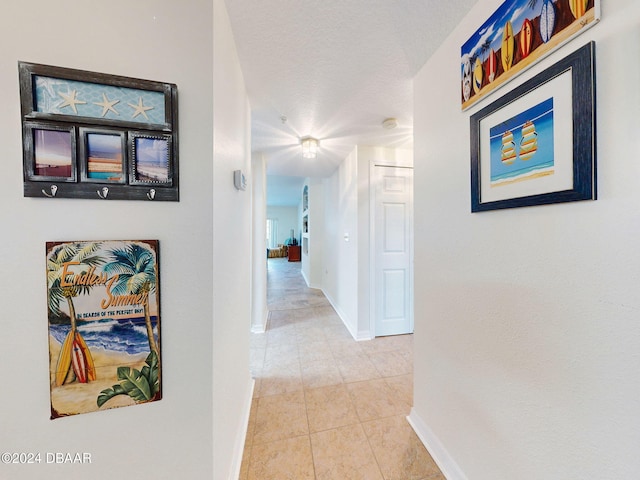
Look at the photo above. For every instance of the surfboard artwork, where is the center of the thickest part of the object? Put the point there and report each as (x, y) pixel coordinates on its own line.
(516, 36)
(526, 38)
(522, 147)
(547, 20)
(477, 75)
(492, 66)
(507, 47)
(466, 79)
(578, 7)
(104, 325)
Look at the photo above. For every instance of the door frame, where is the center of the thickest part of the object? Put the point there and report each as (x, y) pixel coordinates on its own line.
(373, 178)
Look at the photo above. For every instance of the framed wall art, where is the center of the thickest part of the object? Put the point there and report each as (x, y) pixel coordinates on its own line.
(537, 144)
(104, 325)
(91, 135)
(514, 37)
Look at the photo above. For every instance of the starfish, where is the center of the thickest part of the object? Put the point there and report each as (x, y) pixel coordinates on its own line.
(107, 105)
(70, 100)
(140, 109)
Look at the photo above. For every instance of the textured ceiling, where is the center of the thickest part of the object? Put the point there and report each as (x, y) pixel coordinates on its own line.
(335, 69)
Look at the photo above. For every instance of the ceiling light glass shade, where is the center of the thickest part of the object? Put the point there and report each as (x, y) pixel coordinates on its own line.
(309, 147)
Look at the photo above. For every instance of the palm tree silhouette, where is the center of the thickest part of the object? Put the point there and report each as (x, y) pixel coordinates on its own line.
(58, 290)
(135, 267)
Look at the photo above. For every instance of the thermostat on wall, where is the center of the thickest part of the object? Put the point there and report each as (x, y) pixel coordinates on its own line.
(239, 180)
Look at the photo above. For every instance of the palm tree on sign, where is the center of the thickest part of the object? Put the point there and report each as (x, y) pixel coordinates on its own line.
(135, 267)
(59, 290)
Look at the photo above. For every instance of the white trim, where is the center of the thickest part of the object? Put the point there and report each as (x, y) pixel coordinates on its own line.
(357, 336)
(238, 448)
(448, 466)
(263, 326)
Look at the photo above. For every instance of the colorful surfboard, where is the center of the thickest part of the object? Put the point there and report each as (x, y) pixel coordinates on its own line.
(64, 360)
(507, 48)
(466, 80)
(508, 151)
(529, 142)
(91, 369)
(526, 38)
(477, 76)
(578, 7)
(547, 20)
(492, 66)
(78, 362)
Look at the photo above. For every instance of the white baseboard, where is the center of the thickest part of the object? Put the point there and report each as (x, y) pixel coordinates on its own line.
(238, 448)
(261, 328)
(341, 314)
(449, 468)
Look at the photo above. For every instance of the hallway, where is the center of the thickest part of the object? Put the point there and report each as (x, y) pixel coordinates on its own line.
(326, 406)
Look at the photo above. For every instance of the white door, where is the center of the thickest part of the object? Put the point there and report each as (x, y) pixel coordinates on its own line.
(393, 247)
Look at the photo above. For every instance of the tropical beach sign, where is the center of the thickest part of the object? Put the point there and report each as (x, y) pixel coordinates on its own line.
(518, 34)
(104, 325)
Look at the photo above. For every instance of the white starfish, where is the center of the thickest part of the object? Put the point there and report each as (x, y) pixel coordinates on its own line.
(107, 105)
(70, 100)
(139, 109)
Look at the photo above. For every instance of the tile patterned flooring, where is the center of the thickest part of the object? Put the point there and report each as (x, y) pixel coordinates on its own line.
(325, 406)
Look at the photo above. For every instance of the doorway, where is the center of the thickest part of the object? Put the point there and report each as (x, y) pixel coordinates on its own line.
(392, 224)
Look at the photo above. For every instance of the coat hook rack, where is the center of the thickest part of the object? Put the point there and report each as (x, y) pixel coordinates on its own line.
(54, 190)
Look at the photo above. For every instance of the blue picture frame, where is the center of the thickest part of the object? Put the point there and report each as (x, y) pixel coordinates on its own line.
(516, 162)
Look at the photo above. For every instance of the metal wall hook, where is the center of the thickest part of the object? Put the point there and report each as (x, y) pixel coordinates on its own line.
(103, 192)
(152, 194)
(54, 190)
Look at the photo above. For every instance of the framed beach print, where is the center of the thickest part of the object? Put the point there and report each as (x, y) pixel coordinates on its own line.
(77, 126)
(150, 159)
(103, 155)
(537, 144)
(50, 152)
(103, 301)
(516, 36)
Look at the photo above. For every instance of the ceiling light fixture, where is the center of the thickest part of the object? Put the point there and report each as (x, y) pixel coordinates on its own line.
(390, 123)
(309, 147)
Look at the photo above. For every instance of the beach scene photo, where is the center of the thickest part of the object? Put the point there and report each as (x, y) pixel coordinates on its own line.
(522, 147)
(104, 326)
(104, 157)
(52, 153)
(152, 159)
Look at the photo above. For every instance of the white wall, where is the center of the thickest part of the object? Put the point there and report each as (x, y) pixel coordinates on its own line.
(259, 311)
(173, 437)
(346, 263)
(526, 320)
(340, 254)
(232, 247)
(288, 219)
(317, 220)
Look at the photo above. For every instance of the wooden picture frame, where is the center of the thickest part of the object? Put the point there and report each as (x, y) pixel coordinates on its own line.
(103, 155)
(150, 159)
(49, 152)
(91, 106)
(536, 145)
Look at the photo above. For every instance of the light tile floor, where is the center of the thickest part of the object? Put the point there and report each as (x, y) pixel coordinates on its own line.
(326, 407)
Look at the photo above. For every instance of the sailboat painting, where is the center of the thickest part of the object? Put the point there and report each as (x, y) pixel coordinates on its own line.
(519, 33)
(522, 147)
(104, 325)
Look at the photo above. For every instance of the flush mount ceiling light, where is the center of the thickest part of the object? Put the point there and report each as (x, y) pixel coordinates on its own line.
(390, 123)
(309, 147)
